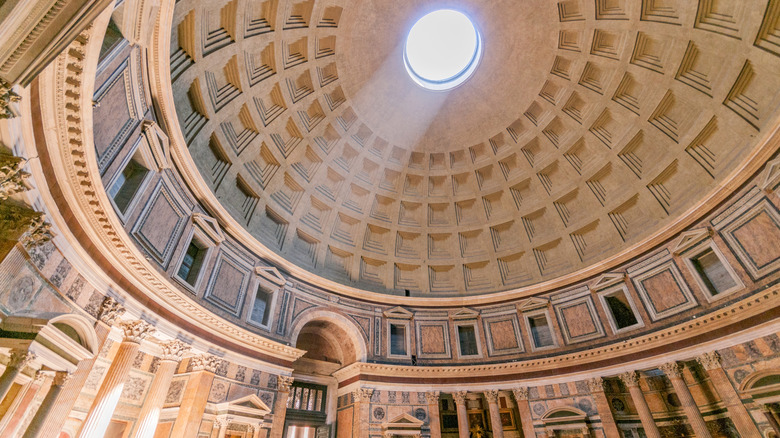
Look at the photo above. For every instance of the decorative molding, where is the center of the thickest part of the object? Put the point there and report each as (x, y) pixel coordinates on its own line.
(135, 330)
(532, 303)
(283, 383)
(13, 179)
(432, 397)
(630, 378)
(173, 350)
(20, 359)
(271, 274)
(398, 312)
(464, 313)
(491, 395)
(61, 378)
(205, 362)
(690, 238)
(158, 144)
(709, 360)
(520, 393)
(7, 97)
(672, 370)
(110, 311)
(595, 384)
(460, 397)
(210, 228)
(363, 395)
(608, 280)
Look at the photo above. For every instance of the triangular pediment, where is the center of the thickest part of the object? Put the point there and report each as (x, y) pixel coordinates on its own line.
(398, 313)
(248, 406)
(607, 280)
(403, 421)
(690, 238)
(771, 176)
(158, 144)
(532, 304)
(271, 274)
(209, 227)
(465, 313)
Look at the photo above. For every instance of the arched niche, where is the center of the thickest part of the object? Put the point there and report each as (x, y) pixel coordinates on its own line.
(330, 339)
(566, 422)
(59, 341)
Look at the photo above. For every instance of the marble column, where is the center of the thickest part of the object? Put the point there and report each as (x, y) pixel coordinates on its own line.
(463, 419)
(20, 406)
(596, 386)
(280, 405)
(195, 396)
(631, 380)
(673, 372)
(107, 397)
(524, 410)
(110, 311)
(39, 419)
(360, 419)
(18, 361)
(172, 352)
(495, 417)
(434, 422)
(728, 395)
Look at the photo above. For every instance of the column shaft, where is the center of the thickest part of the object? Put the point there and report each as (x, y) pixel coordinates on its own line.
(434, 421)
(19, 359)
(193, 404)
(495, 416)
(690, 408)
(20, 406)
(463, 419)
(728, 395)
(38, 421)
(105, 402)
(280, 407)
(648, 423)
(524, 410)
(150, 412)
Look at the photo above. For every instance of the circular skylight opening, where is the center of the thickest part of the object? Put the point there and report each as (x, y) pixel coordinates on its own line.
(442, 50)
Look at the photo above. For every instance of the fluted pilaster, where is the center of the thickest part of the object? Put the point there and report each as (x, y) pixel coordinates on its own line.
(105, 401)
(150, 411)
(524, 409)
(596, 386)
(434, 422)
(739, 415)
(280, 405)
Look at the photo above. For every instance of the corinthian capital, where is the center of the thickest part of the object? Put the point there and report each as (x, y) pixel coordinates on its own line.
(520, 393)
(135, 330)
(173, 350)
(205, 362)
(460, 397)
(12, 178)
(709, 361)
(432, 397)
(110, 311)
(630, 378)
(20, 359)
(283, 383)
(491, 395)
(672, 369)
(7, 96)
(61, 378)
(595, 384)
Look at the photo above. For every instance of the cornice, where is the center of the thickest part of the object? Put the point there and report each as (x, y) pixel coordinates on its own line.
(64, 93)
(593, 361)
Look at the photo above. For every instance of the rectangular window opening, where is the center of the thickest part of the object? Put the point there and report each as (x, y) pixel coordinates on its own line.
(126, 185)
(468, 340)
(192, 263)
(540, 331)
(712, 272)
(620, 308)
(261, 309)
(398, 340)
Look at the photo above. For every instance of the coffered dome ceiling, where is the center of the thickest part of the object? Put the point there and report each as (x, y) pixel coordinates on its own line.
(589, 127)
